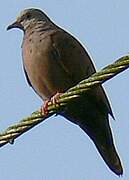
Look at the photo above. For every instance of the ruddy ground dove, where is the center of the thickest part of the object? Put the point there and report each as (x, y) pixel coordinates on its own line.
(53, 62)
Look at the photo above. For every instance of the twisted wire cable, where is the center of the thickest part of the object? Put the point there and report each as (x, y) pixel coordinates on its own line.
(14, 131)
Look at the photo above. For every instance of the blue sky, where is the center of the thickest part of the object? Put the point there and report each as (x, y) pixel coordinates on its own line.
(57, 149)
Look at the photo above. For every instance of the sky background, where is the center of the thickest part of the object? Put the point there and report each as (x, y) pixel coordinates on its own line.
(58, 149)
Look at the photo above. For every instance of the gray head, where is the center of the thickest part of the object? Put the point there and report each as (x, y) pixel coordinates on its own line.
(28, 17)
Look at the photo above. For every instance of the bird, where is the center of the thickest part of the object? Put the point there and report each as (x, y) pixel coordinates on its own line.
(54, 61)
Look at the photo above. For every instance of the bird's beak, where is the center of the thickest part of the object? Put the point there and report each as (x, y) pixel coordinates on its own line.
(15, 25)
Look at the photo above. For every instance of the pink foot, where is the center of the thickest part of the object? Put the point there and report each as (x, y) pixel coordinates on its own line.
(54, 99)
(44, 107)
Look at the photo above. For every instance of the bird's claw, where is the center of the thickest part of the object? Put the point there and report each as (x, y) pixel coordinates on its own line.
(54, 100)
(44, 107)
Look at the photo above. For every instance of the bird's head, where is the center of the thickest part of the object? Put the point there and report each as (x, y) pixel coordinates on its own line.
(28, 17)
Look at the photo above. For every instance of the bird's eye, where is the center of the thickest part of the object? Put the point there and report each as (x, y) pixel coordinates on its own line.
(28, 16)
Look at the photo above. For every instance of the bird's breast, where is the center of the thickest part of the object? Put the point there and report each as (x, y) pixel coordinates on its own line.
(44, 73)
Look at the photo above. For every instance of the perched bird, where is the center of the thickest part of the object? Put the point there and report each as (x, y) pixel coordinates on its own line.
(54, 61)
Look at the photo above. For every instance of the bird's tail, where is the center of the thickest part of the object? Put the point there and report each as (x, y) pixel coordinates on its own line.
(92, 116)
(105, 146)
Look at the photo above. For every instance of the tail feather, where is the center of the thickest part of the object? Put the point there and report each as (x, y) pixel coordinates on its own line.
(107, 150)
(110, 156)
(92, 116)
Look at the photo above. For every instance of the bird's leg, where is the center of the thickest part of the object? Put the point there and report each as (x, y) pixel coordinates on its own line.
(54, 100)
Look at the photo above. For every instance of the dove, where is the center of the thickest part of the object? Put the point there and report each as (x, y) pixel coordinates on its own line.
(53, 62)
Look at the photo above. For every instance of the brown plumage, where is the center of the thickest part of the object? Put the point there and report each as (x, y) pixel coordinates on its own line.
(54, 61)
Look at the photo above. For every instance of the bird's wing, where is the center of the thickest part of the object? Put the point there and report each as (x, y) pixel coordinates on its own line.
(76, 62)
(71, 56)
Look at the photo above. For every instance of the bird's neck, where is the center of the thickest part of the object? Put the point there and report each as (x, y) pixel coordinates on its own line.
(39, 26)
(41, 29)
